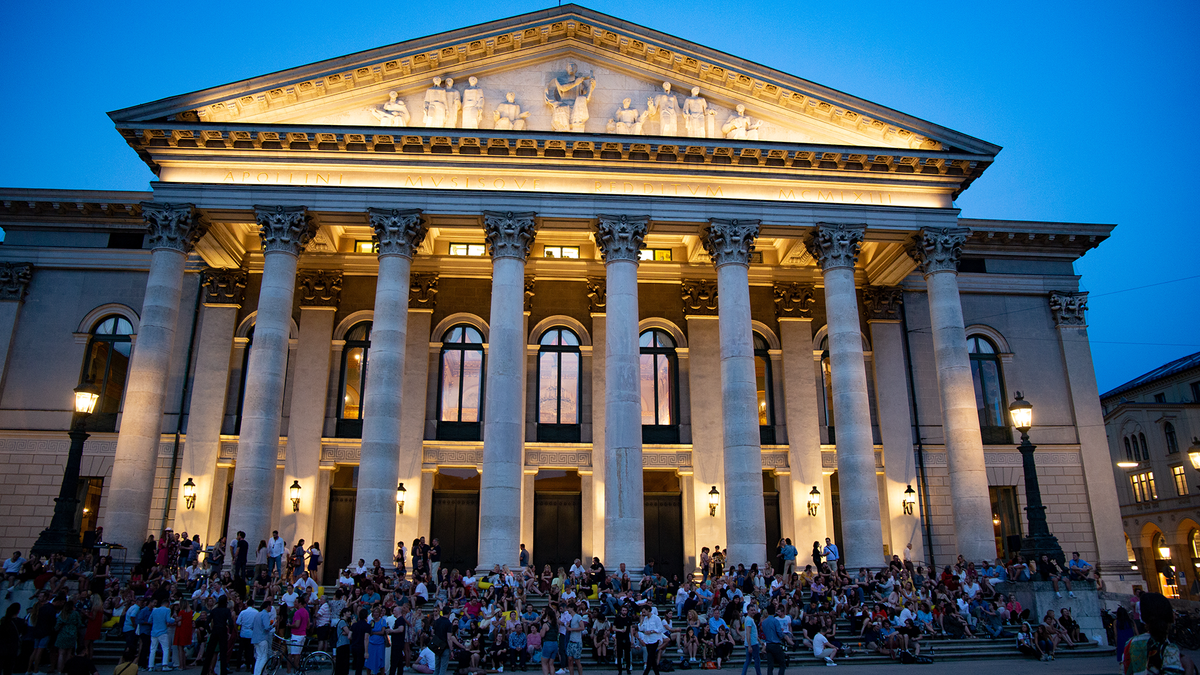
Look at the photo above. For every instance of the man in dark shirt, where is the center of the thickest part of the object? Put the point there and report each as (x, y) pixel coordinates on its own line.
(435, 559)
(441, 641)
(241, 548)
(219, 621)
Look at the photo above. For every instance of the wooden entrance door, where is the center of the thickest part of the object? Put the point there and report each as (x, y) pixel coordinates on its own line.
(557, 529)
(455, 524)
(664, 532)
(339, 532)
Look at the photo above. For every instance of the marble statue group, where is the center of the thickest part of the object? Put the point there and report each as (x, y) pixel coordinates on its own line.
(568, 95)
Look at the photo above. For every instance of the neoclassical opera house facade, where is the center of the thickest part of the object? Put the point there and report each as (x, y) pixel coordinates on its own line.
(570, 282)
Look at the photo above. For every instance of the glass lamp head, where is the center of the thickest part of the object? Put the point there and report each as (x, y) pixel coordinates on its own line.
(714, 500)
(85, 398)
(1021, 412)
(1194, 453)
(294, 493)
(400, 494)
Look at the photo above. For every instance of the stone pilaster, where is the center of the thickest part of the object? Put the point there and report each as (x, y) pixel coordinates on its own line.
(14, 285)
(835, 247)
(398, 234)
(173, 229)
(620, 238)
(937, 251)
(729, 243)
(509, 236)
(284, 231)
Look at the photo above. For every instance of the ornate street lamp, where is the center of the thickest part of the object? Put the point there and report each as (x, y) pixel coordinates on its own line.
(1039, 541)
(910, 500)
(1194, 453)
(814, 501)
(62, 536)
(294, 493)
(189, 494)
(400, 494)
(714, 500)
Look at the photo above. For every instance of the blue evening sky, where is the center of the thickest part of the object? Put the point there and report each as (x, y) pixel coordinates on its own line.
(1094, 103)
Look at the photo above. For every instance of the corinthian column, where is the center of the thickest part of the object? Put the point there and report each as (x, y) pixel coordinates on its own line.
(729, 243)
(284, 231)
(397, 235)
(620, 239)
(936, 252)
(509, 236)
(835, 247)
(173, 230)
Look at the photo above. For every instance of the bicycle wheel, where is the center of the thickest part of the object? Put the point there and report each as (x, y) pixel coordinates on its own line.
(274, 665)
(317, 663)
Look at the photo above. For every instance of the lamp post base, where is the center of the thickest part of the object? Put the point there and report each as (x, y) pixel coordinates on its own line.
(57, 539)
(1035, 546)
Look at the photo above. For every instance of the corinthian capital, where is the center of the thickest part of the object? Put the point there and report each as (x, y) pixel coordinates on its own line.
(597, 292)
(422, 290)
(937, 249)
(699, 297)
(509, 234)
(729, 241)
(620, 237)
(397, 231)
(1068, 308)
(794, 299)
(284, 228)
(319, 288)
(835, 245)
(172, 226)
(883, 303)
(223, 286)
(14, 280)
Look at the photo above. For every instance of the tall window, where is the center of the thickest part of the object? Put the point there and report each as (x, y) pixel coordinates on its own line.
(657, 384)
(1172, 440)
(353, 380)
(1128, 450)
(1143, 486)
(989, 391)
(1177, 474)
(106, 367)
(1137, 450)
(461, 392)
(827, 387)
(558, 386)
(762, 379)
(1145, 447)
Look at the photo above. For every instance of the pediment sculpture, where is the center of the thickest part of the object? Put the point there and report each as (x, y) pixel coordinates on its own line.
(568, 98)
(666, 106)
(740, 127)
(394, 113)
(508, 115)
(628, 121)
(698, 120)
(435, 105)
(472, 104)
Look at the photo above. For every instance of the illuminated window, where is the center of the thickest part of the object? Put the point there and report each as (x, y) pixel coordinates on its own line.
(467, 249)
(106, 367)
(989, 391)
(558, 386)
(560, 252)
(461, 392)
(353, 380)
(766, 401)
(364, 246)
(657, 386)
(1172, 440)
(1143, 487)
(1181, 488)
(1194, 543)
(655, 254)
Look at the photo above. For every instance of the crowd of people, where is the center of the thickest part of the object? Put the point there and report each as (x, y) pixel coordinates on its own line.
(224, 607)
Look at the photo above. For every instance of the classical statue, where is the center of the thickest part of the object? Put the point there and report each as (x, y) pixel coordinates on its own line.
(740, 127)
(393, 113)
(568, 98)
(508, 115)
(453, 104)
(694, 108)
(666, 106)
(435, 105)
(472, 104)
(627, 120)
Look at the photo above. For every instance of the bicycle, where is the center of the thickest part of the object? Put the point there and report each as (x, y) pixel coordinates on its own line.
(315, 661)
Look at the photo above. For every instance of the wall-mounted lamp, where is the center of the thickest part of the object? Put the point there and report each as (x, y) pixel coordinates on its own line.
(814, 501)
(1164, 552)
(294, 493)
(189, 494)
(1130, 464)
(400, 493)
(714, 500)
(1194, 453)
(995, 520)
(910, 500)
(86, 396)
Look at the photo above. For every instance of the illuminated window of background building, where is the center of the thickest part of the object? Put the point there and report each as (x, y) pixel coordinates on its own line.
(655, 254)
(1181, 488)
(468, 249)
(364, 246)
(560, 252)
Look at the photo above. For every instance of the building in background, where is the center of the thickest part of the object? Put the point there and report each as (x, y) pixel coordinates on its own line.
(559, 280)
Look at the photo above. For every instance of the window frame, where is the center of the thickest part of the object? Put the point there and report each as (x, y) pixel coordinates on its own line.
(457, 430)
(766, 432)
(560, 250)
(1179, 477)
(352, 427)
(469, 245)
(666, 434)
(992, 434)
(99, 420)
(559, 432)
(1171, 438)
(651, 255)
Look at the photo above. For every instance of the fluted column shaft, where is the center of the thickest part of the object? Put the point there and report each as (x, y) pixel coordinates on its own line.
(172, 231)
(730, 243)
(620, 239)
(509, 236)
(284, 231)
(937, 251)
(397, 235)
(836, 248)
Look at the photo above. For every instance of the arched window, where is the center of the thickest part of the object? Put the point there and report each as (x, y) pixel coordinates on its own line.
(827, 388)
(989, 391)
(558, 386)
(106, 367)
(1128, 450)
(766, 400)
(1145, 448)
(353, 381)
(1172, 441)
(1137, 450)
(660, 423)
(1194, 543)
(460, 396)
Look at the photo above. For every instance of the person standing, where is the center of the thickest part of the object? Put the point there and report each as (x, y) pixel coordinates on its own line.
(241, 551)
(396, 632)
(623, 625)
(817, 556)
(775, 633)
(441, 641)
(789, 558)
(299, 632)
(651, 631)
(575, 641)
(831, 553)
(183, 634)
(524, 557)
(276, 548)
(219, 621)
(341, 650)
(160, 634)
(753, 647)
(435, 559)
(360, 634)
(245, 624)
(262, 629)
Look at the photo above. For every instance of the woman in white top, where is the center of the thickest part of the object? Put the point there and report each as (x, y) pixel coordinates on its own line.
(650, 632)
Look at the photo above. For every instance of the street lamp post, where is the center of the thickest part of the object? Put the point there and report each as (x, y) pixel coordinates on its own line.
(1039, 540)
(62, 536)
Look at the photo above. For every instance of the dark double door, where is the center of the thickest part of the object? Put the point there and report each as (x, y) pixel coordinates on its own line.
(663, 519)
(454, 522)
(339, 533)
(557, 529)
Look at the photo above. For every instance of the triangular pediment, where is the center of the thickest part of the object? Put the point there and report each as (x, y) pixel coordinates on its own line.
(524, 54)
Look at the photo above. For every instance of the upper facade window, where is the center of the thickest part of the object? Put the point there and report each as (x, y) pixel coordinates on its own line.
(560, 252)
(353, 381)
(460, 394)
(106, 367)
(655, 254)
(558, 386)
(1171, 438)
(468, 249)
(989, 391)
(364, 246)
(766, 399)
(659, 373)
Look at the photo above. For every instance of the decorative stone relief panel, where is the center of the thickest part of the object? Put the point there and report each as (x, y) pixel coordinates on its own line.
(579, 458)
(224, 286)
(228, 452)
(319, 288)
(14, 280)
(453, 456)
(794, 299)
(422, 290)
(883, 303)
(597, 292)
(1069, 309)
